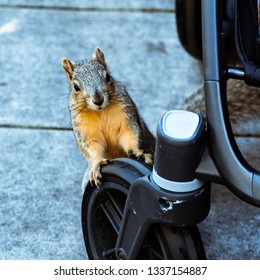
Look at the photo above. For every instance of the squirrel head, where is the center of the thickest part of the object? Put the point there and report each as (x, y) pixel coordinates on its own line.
(91, 83)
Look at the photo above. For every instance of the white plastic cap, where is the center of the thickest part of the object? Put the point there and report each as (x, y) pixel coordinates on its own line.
(180, 124)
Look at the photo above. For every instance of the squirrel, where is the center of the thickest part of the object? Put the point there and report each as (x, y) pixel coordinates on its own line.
(104, 118)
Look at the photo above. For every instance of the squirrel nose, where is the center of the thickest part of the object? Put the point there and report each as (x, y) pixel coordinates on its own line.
(98, 100)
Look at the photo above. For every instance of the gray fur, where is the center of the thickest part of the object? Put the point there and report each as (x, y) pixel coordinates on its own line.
(243, 103)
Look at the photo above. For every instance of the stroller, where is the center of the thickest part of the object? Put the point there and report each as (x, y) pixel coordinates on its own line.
(152, 213)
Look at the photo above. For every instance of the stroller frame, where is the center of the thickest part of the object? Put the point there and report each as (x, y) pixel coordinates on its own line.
(236, 173)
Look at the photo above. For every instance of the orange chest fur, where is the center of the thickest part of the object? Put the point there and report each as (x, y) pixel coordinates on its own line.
(107, 126)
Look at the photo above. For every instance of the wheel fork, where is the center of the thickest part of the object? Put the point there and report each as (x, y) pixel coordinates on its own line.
(171, 209)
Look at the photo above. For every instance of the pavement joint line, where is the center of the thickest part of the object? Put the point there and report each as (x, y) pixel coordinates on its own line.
(2, 126)
(79, 9)
(247, 135)
(37, 127)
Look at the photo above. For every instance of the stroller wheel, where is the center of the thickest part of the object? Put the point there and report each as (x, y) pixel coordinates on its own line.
(102, 211)
(188, 20)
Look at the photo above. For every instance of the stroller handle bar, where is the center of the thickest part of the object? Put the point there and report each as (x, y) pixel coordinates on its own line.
(237, 174)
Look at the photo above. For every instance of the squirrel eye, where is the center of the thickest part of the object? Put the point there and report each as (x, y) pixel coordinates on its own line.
(76, 87)
(108, 78)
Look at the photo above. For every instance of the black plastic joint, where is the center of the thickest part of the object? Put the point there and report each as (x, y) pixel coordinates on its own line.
(180, 144)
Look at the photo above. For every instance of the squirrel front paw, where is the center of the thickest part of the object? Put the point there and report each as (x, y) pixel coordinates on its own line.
(148, 158)
(139, 154)
(95, 174)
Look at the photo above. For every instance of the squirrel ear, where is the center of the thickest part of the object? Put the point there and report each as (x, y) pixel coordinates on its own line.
(69, 67)
(99, 56)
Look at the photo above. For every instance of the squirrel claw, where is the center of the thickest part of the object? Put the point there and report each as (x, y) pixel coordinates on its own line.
(135, 155)
(139, 155)
(95, 175)
(130, 153)
(95, 178)
(95, 182)
(148, 158)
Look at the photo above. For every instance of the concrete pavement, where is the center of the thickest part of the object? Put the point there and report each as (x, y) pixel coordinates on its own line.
(40, 166)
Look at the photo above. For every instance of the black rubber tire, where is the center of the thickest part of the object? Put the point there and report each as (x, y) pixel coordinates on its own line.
(189, 26)
(188, 21)
(102, 211)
